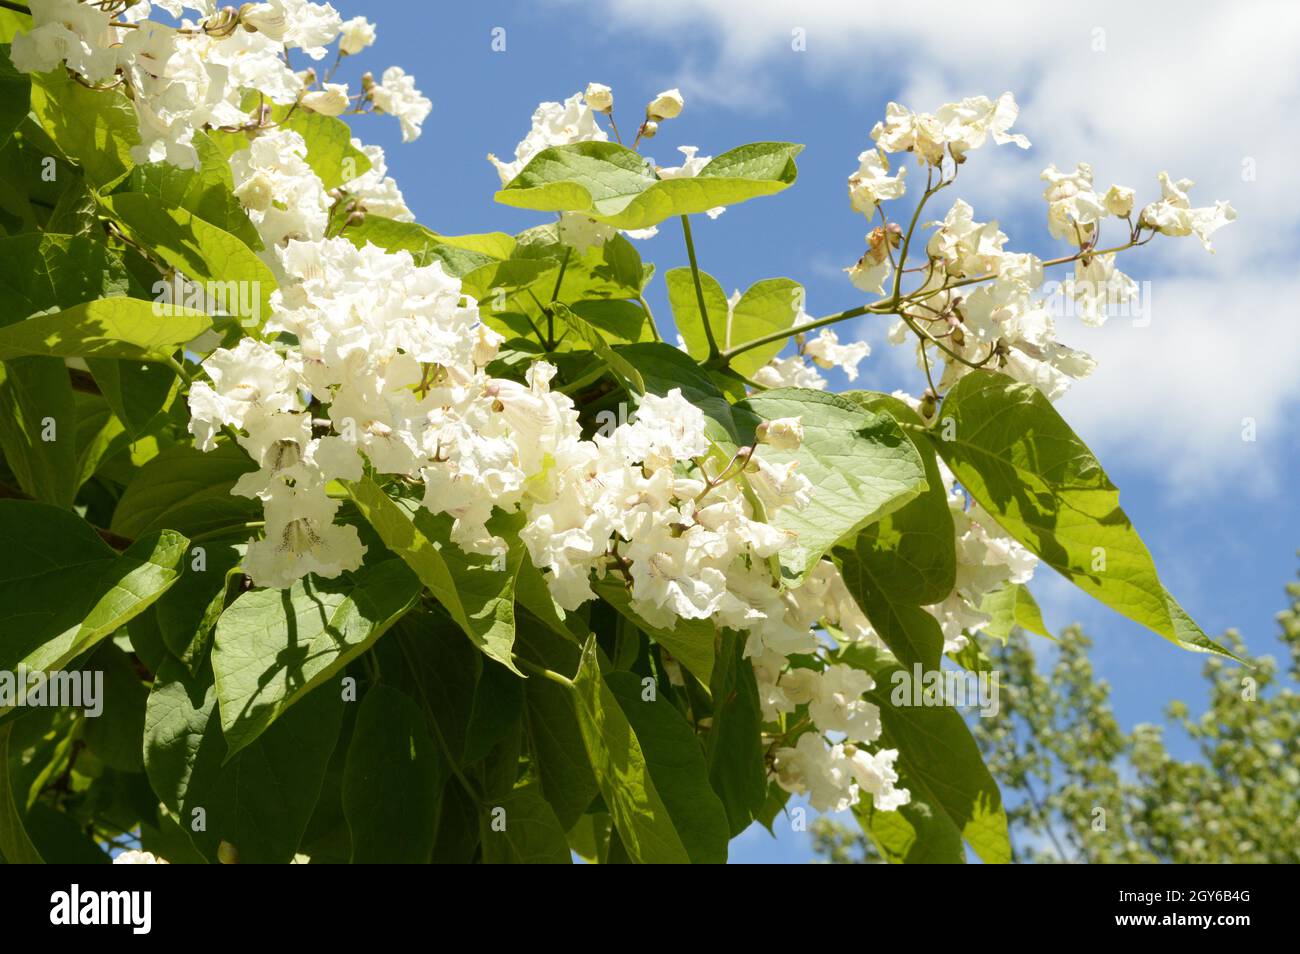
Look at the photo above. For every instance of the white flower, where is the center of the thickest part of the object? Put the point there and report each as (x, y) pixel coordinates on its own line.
(1072, 207)
(71, 32)
(396, 94)
(968, 123)
(554, 124)
(376, 189)
(666, 430)
(1173, 214)
(817, 770)
(792, 372)
(834, 698)
(689, 168)
(331, 100)
(248, 383)
(356, 34)
(275, 166)
(582, 232)
(599, 97)
(1118, 201)
(667, 105)
(300, 538)
(872, 184)
(827, 352)
(265, 18)
(875, 774)
(956, 127)
(1097, 285)
(310, 26)
(967, 248)
(133, 857)
(782, 433)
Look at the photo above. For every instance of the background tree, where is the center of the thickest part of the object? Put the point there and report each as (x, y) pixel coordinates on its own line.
(1080, 789)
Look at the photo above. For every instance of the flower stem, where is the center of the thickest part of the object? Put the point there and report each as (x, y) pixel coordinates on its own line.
(699, 288)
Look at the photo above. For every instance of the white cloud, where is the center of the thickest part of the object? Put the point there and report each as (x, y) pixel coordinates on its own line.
(1207, 92)
(1175, 396)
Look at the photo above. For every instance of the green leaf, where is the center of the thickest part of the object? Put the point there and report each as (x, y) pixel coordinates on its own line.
(188, 612)
(477, 593)
(1026, 467)
(15, 95)
(45, 272)
(618, 321)
(735, 743)
(76, 209)
(912, 634)
(100, 435)
(38, 428)
(497, 710)
(114, 734)
(187, 490)
(912, 552)
(619, 762)
(110, 328)
(686, 309)
(235, 281)
(768, 306)
(16, 847)
(523, 830)
(137, 391)
(207, 192)
(690, 641)
(623, 369)
(94, 128)
(62, 589)
(861, 465)
(427, 656)
(907, 560)
(563, 768)
(330, 152)
(273, 647)
(261, 800)
(392, 782)
(1011, 606)
(459, 255)
(677, 767)
(663, 367)
(953, 795)
(615, 185)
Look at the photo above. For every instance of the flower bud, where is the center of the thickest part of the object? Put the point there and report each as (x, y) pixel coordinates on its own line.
(928, 404)
(667, 105)
(599, 97)
(648, 129)
(783, 433)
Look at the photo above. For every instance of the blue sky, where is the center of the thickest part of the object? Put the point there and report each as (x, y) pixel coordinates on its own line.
(1131, 88)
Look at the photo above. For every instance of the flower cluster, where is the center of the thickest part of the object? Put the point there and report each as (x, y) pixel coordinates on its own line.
(977, 303)
(198, 74)
(825, 352)
(370, 362)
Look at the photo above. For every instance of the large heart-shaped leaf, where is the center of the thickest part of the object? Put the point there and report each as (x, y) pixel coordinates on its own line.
(615, 185)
